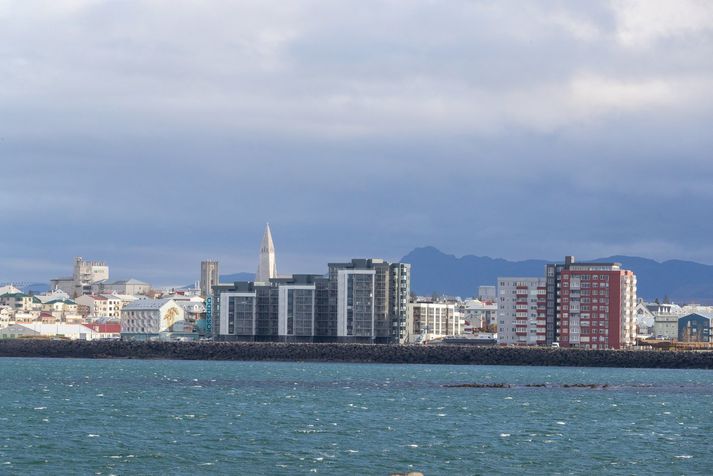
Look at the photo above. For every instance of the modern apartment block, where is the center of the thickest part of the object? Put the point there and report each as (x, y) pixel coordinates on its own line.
(282, 309)
(367, 300)
(431, 319)
(364, 300)
(590, 305)
(210, 276)
(521, 311)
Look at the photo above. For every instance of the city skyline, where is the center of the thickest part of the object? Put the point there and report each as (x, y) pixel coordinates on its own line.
(136, 135)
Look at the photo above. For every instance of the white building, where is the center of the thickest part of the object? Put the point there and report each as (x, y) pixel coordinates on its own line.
(61, 330)
(267, 266)
(479, 314)
(429, 320)
(105, 305)
(521, 311)
(152, 317)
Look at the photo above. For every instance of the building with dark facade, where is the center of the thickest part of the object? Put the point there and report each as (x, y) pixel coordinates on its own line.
(364, 300)
(694, 328)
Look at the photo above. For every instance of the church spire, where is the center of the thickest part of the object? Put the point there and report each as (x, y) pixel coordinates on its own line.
(267, 267)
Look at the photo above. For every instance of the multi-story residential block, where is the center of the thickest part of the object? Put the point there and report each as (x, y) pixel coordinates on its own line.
(590, 305)
(103, 305)
(365, 300)
(521, 311)
(433, 319)
(152, 319)
(360, 301)
(281, 309)
(210, 276)
(399, 290)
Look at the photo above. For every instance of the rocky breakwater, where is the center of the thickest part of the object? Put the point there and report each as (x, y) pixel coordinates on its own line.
(355, 353)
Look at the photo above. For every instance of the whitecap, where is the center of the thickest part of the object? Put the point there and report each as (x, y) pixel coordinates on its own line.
(504, 435)
(100, 394)
(40, 408)
(92, 435)
(441, 414)
(508, 398)
(561, 423)
(683, 457)
(412, 446)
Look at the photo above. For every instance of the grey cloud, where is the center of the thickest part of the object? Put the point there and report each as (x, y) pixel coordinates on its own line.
(151, 134)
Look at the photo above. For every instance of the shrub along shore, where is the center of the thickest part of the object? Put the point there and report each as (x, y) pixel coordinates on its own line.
(411, 354)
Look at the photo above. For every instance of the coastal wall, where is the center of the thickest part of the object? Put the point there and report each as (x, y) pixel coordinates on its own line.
(354, 353)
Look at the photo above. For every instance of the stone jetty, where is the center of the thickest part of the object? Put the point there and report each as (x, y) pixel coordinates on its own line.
(365, 353)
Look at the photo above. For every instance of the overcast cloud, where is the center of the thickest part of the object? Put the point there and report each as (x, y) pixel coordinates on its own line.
(152, 134)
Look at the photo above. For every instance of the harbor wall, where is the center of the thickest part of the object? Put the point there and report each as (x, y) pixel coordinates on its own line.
(422, 354)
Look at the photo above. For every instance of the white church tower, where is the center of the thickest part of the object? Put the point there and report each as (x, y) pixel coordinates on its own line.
(266, 267)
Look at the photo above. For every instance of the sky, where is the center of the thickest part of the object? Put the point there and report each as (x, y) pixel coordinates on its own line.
(153, 134)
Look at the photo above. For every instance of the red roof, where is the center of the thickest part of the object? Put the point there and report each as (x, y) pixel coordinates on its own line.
(105, 328)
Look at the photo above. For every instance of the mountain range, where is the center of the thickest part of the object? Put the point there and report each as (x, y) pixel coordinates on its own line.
(436, 272)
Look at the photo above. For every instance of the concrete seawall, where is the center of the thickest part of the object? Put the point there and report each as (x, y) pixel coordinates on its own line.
(355, 353)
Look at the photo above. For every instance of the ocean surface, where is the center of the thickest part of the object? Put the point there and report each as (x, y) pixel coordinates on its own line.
(190, 417)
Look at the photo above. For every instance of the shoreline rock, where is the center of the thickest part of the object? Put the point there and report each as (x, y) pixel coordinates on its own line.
(357, 353)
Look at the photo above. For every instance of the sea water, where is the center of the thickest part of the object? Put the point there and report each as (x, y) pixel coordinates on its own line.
(195, 417)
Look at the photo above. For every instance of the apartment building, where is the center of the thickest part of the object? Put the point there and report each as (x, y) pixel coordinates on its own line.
(521, 311)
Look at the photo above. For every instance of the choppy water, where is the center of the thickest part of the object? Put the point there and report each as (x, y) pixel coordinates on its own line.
(177, 417)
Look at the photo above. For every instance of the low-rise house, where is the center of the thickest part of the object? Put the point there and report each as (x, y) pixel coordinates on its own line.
(9, 289)
(64, 310)
(20, 301)
(54, 295)
(644, 319)
(7, 316)
(16, 331)
(106, 330)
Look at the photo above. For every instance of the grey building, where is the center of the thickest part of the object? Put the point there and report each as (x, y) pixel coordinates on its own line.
(282, 309)
(365, 300)
(210, 276)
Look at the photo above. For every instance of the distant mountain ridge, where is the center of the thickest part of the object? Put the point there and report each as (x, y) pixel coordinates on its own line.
(231, 278)
(435, 271)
